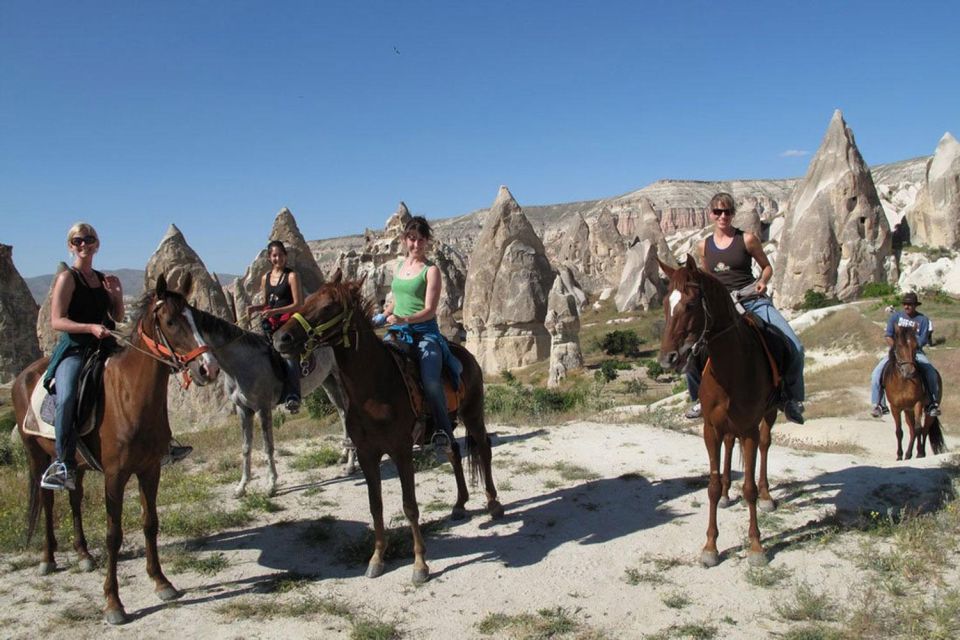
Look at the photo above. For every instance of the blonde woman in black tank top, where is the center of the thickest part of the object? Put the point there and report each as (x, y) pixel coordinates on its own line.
(728, 254)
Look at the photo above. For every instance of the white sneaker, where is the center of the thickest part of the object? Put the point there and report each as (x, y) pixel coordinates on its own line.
(694, 412)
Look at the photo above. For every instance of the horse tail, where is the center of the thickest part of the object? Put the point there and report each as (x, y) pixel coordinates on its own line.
(473, 461)
(33, 508)
(935, 435)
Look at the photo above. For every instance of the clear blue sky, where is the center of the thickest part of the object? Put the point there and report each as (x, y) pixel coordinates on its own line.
(214, 115)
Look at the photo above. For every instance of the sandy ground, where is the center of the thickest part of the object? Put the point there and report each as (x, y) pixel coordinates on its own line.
(563, 543)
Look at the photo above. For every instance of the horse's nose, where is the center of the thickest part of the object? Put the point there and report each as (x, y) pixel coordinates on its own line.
(285, 337)
(669, 360)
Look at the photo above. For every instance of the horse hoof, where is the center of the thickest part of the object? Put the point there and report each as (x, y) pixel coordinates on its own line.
(374, 570)
(46, 568)
(239, 492)
(168, 593)
(87, 565)
(458, 513)
(495, 509)
(724, 502)
(709, 558)
(271, 491)
(766, 505)
(420, 575)
(115, 616)
(757, 559)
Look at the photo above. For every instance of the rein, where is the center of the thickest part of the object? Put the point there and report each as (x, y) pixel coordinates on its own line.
(315, 337)
(163, 353)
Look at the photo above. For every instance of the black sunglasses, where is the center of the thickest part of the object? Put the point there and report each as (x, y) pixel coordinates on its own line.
(84, 240)
(722, 212)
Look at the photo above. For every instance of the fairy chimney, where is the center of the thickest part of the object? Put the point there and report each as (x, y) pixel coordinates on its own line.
(18, 319)
(299, 258)
(935, 221)
(835, 238)
(505, 298)
(640, 284)
(563, 325)
(595, 252)
(46, 336)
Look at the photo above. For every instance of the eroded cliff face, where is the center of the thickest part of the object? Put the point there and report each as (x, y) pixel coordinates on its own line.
(18, 319)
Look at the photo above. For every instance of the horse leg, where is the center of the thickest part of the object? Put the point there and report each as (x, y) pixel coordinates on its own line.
(348, 455)
(920, 422)
(113, 485)
(755, 555)
(370, 465)
(709, 557)
(728, 442)
(79, 539)
(912, 426)
(765, 500)
(898, 430)
(246, 428)
(149, 482)
(266, 426)
(49, 563)
(478, 445)
(459, 511)
(404, 462)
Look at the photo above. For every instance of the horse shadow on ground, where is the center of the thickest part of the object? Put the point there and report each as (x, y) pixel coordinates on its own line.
(860, 496)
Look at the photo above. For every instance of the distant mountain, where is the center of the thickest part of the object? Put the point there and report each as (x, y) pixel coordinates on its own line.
(131, 279)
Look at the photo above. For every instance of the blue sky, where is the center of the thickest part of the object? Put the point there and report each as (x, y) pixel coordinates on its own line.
(214, 115)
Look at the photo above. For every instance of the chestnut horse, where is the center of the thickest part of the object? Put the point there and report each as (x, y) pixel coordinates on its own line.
(906, 394)
(738, 395)
(380, 418)
(131, 438)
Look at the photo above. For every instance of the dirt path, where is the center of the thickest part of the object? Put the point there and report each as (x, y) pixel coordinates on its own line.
(604, 521)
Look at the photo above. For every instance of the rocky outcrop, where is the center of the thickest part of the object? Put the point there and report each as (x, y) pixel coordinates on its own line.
(835, 238)
(299, 258)
(174, 259)
(749, 218)
(640, 284)
(563, 324)
(935, 220)
(594, 251)
(46, 336)
(18, 319)
(505, 298)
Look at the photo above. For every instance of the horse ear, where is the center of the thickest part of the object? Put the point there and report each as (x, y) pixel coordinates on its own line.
(691, 263)
(161, 289)
(337, 276)
(360, 282)
(667, 269)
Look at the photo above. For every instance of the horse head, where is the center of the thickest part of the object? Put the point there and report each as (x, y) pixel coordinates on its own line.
(175, 333)
(326, 318)
(904, 351)
(683, 313)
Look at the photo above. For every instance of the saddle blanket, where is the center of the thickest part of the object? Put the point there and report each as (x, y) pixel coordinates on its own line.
(44, 406)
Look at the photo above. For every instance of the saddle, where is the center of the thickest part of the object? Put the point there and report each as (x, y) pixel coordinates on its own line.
(407, 359)
(89, 409)
(891, 363)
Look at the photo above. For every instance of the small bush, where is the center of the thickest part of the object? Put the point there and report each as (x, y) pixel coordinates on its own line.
(654, 369)
(879, 290)
(318, 404)
(816, 300)
(621, 342)
(936, 294)
(636, 387)
(514, 399)
(608, 370)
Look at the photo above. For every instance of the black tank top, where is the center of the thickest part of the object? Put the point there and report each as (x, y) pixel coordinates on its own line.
(280, 295)
(732, 266)
(89, 305)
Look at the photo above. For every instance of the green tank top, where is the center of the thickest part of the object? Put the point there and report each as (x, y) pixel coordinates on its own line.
(409, 294)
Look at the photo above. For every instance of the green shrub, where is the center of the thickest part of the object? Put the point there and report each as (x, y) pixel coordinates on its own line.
(621, 342)
(608, 370)
(636, 387)
(654, 369)
(508, 401)
(816, 300)
(318, 404)
(936, 294)
(879, 290)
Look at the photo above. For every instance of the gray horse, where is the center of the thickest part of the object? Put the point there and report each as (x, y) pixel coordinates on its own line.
(253, 377)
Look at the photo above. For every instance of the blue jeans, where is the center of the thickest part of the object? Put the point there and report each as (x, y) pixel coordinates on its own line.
(431, 370)
(67, 377)
(927, 370)
(792, 377)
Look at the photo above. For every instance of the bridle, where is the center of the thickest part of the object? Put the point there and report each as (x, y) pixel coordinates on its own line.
(315, 337)
(707, 333)
(161, 350)
(903, 365)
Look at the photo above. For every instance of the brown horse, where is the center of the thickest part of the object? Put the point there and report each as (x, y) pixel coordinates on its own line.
(131, 439)
(737, 395)
(380, 418)
(906, 394)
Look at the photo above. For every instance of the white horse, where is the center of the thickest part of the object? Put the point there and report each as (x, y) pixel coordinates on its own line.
(253, 378)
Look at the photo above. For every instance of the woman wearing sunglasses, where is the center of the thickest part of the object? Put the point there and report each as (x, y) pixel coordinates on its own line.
(728, 254)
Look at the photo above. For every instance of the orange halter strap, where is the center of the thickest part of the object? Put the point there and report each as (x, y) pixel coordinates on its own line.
(163, 352)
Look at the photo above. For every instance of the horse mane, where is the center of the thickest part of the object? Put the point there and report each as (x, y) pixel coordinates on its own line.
(224, 329)
(350, 297)
(714, 290)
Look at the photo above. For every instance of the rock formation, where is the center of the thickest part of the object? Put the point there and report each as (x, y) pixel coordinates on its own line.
(594, 251)
(835, 238)
(563, 325)
(18, 319)
(640, 284)
(505, 298)
(299, 258)
(46, 336)
(174, 258)
(749, 216)
(935, 220)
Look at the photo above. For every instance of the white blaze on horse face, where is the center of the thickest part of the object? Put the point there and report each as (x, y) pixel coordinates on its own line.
(674, 300)
(212, 365)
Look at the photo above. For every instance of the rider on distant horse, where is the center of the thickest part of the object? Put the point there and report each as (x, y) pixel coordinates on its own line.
(912, 318)
(728, 255)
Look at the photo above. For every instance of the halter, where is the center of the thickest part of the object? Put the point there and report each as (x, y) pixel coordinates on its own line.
(162, 352)
(315, 337)
(707, 333)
